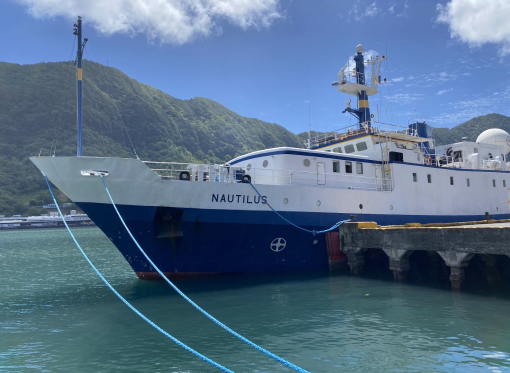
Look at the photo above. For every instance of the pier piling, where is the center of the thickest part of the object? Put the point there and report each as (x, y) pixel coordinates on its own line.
(399, 263)
(356, 261)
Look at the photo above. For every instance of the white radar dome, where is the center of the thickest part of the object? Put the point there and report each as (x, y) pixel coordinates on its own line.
(495, 136)
(359, 48)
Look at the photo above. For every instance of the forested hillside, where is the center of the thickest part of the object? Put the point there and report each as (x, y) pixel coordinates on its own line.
(38, 116)
(471, 129)
(38, 109)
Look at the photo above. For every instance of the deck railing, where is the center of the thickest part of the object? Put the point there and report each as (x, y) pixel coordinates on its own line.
(444, 161)
(262, 176)
(369, 127)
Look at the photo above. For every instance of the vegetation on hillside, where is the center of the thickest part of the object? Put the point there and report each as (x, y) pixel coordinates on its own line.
(471, 129)
(38, 116)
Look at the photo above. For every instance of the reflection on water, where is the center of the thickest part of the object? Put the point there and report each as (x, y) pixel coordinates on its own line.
(56, 315)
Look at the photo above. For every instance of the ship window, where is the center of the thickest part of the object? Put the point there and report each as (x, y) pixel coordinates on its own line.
(361, 146)
(338, 150)
(396, 157)
(468, 183)
(476, 150)
(494, 183)
(451, 180)
(306, 162)
(348, 167)
(415, 177)
(349, 148)
(359, 167)
(265, 163)
(429, 178)
(336, 166)
(504, 183)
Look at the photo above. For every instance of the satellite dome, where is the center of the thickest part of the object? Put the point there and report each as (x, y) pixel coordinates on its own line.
(359, 48)
(495, 136)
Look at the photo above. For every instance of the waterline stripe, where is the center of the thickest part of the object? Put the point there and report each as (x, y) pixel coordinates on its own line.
(196, 353)
(210, 317)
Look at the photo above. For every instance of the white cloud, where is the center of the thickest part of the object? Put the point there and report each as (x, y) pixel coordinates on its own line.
(405, 98)
(404, 12)
(169, 21)
(359, 10)
(398, 79)
(478, 21)
(391, 9)
(371, 10)
(479, 104)
(443, 91)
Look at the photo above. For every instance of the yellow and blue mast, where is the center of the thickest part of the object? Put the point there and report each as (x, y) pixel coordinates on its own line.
(363, 111)
(79, 85)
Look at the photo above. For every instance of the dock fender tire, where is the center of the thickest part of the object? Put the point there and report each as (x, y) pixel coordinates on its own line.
(184, 175)
(246, 179)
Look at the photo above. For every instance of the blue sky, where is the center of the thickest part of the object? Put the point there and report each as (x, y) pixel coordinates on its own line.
(449, 61)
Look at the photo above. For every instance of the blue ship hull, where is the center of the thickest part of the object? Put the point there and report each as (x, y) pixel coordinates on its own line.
(224, 241)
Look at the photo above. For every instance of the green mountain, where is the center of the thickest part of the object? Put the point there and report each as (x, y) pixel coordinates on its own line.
(471, 129)
(38, 116)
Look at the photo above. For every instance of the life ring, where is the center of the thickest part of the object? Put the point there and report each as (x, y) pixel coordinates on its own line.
(184, 175)
(429, 160)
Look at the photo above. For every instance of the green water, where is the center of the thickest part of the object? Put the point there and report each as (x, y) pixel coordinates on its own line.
(56, 315)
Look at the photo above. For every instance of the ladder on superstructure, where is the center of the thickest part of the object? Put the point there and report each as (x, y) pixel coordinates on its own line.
(387, 184)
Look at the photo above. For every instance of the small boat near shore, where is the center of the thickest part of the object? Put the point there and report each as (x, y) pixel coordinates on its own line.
(52, 220)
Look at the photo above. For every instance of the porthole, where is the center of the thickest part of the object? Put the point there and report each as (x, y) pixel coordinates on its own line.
(265, 163)
(391, 207)
(285, 201)
(248, 168)
(360, 206)
(318, 203)
(306, 162)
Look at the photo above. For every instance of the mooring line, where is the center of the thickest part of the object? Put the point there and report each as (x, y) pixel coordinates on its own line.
(297, 226)
(196, 353)
(210, 317)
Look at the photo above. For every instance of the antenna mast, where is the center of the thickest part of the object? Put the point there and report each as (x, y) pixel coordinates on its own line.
(309, 125)
(79, 86)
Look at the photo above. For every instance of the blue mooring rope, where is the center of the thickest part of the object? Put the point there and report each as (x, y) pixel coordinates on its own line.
(196, 353)
(210, 317)
(297, 226)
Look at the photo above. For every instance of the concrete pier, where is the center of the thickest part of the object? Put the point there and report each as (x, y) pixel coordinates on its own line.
(456, 245)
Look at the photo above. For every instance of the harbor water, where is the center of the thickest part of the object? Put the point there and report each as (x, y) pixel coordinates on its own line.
(57, 316)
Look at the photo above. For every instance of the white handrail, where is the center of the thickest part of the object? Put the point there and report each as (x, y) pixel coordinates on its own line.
(263, 176)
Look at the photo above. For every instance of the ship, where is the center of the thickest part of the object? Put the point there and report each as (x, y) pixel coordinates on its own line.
(243, 216)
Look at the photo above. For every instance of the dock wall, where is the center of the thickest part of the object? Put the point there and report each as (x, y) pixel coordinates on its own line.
(455, 245)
